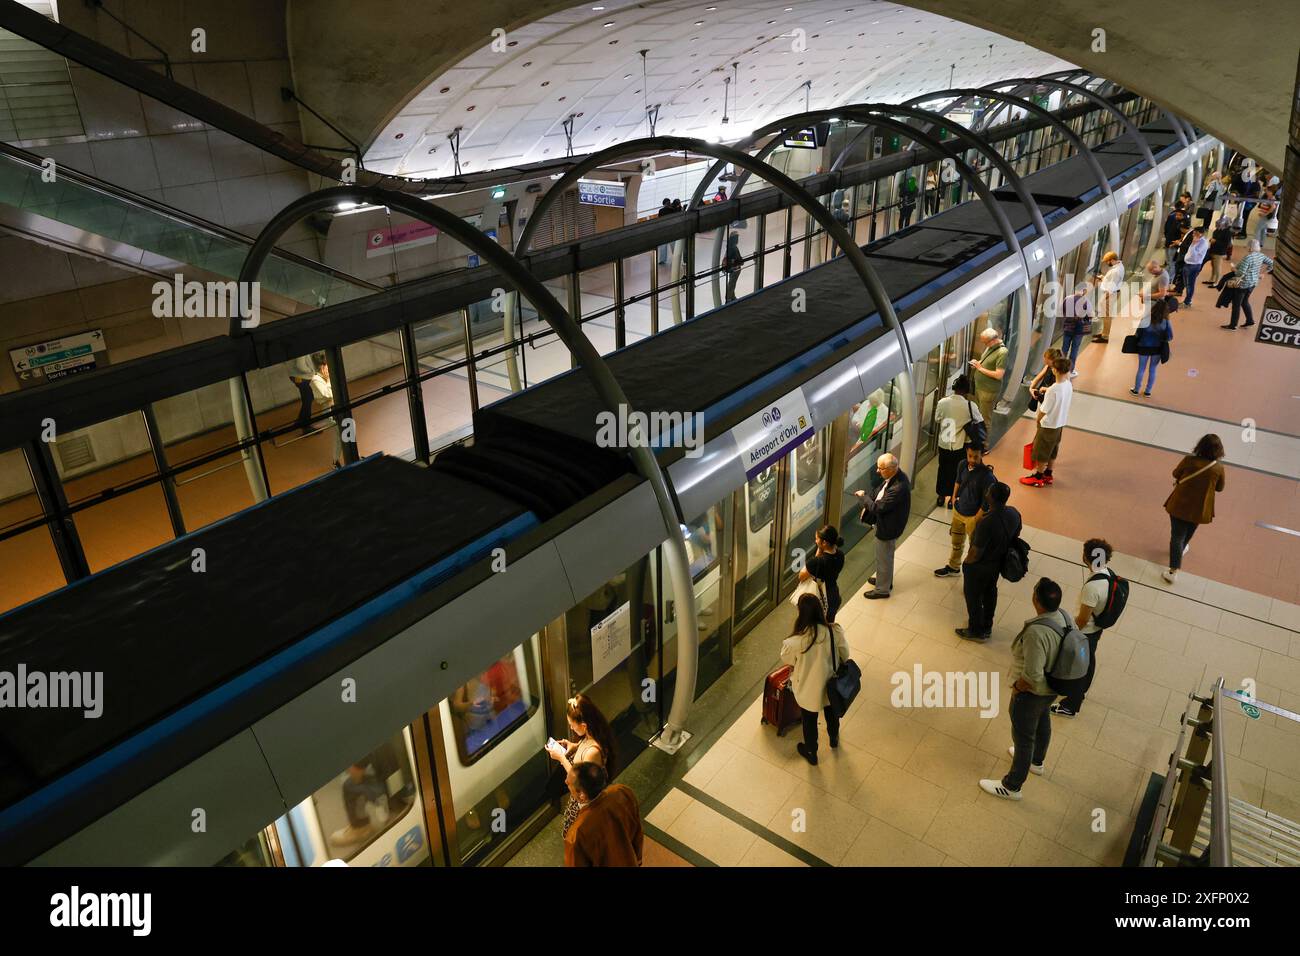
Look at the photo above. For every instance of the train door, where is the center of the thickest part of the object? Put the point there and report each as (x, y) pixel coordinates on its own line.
(754, 522)
(805, 502)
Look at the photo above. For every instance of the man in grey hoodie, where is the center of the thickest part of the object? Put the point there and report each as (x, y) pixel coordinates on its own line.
(1032, 653)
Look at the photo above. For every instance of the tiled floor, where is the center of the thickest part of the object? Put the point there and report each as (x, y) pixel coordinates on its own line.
(901, 789)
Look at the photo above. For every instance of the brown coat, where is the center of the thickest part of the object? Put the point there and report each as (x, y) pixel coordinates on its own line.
(1193, 500)
(607, 831)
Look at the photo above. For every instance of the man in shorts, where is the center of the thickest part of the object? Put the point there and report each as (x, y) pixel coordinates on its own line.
(1053, 412)
(986, 373)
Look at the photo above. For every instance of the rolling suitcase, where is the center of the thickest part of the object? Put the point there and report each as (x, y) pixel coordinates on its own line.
(779, 707)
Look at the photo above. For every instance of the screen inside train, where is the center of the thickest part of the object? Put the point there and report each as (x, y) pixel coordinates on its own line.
(486, 706)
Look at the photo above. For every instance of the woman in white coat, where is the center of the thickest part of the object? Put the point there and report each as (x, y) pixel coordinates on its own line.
(808, 651)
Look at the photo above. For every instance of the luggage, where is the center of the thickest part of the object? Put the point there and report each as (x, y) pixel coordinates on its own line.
(1029, 455)
(779, 707)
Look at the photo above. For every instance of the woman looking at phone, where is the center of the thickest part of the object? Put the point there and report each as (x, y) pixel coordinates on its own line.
(593, 742)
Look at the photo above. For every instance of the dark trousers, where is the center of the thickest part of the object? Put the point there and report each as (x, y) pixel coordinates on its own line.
(833, 601)
(732, 278)
(306, 396)
(905, 215)
(1180, 536)
(1031, 732)
(1074, 701)
(810, 727)
(979, 583)
(949, 461)
(1241, 303)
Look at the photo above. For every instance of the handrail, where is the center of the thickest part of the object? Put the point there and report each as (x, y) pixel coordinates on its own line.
(1220, 819)
(120, 194)
(1164, 803)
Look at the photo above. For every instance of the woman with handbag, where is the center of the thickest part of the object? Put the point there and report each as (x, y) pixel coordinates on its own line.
(813, 650)
(1243, 284)
(1153, 346)
(1220, 248)
(1197, 479)
(824, 568)
(960, 423)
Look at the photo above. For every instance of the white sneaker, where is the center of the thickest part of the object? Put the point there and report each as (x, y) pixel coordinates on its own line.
(1187, 547)
(1074, 375)
(1033, 767)
(1169, 575)
(995, 787)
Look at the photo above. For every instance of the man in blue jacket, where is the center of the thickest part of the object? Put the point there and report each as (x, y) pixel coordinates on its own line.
(888, 511)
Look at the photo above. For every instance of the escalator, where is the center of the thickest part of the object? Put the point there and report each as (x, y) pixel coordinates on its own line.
(88, 216)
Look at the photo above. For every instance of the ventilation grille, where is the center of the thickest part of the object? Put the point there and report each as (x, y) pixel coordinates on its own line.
(75, 452)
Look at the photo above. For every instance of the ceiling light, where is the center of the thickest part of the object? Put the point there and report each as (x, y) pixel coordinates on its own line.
(598, 8)
(608, 24)
(346, 204)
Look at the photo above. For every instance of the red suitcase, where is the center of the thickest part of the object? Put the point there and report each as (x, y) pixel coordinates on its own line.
(779, 707)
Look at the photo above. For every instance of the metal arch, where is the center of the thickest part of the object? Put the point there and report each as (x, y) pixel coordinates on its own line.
(590, 360)
(1129, 127)
(879, 114)
(727, 154)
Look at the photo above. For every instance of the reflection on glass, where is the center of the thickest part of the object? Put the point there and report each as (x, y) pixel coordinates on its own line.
(252, 852)
(494, 729)
(703, 537)
(755, 542)
(807, 504)
(365, 801)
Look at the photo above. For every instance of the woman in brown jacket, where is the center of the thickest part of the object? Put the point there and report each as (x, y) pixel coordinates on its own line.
(1197, 479)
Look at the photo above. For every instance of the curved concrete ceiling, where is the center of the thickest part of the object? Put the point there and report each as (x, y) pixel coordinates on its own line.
(376, 77)
(715, 70)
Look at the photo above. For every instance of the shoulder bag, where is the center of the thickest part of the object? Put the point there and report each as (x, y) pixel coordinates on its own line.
(845, 681)
(1198, 471)
(976, 432)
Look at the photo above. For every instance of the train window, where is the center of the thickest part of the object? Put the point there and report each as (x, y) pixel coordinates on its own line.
(253, 852)
(486, 708)
(810, 464)
(762, 499)
(365, 800)
(702, 541)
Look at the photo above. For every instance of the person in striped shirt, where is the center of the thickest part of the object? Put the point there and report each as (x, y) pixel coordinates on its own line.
(1247, 275)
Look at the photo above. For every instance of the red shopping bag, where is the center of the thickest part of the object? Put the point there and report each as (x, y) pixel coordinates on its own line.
(1029, 455)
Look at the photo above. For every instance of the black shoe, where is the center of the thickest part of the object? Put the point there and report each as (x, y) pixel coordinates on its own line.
(835, 740)
(875, 595)
(1228, 327)
(803, 752)
(944, 571)
(1248, 325)
(1147, 394)
(966, 634)
(871, 580)
(1060, 710)
(1132, 391)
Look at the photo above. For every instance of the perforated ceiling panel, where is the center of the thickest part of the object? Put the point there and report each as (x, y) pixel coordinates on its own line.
(512, 96)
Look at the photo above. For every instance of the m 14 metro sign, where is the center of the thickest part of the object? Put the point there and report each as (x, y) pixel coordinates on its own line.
(1277, 326)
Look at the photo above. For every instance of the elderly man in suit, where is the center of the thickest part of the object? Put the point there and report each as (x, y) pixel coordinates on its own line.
(888, 512)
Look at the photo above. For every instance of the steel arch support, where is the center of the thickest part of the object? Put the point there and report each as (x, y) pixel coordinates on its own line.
(590, 360)
(779, 180)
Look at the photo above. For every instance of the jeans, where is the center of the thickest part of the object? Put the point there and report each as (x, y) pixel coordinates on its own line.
(979, 583)
(885, 564)
(306, 396)
(663, 253)
(1190, 271)
(732, 279)
(810, 728)
(1241, 303)
(905, 215)
(1074, 701)
(1070, 343)
(1148, 364)
(1031, 732)
(1180, 536)
(1261, 228)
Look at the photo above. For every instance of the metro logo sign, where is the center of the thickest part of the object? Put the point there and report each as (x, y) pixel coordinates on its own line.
(1277, 326)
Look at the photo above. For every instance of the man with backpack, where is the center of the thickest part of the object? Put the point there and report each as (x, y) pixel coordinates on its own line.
(973, 480)
(1045, 647)
(1102, 601)
(995, 534)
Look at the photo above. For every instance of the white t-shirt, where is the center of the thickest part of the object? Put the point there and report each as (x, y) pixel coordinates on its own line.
(960, 411)
(1056, 405)
(1094, 596)
(1113, 279)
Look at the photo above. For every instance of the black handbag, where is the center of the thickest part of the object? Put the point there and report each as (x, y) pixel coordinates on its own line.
(1130, 345)
(845, 681)
(977, 433)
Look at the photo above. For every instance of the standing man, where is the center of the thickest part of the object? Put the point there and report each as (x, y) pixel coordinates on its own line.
(974, 479)
(888, 511)
(1099, 579)
(993, 535)
(1053, 413)
(664, 248)
(1247, 272)
(1194, 262)
(1032, 654)
(987, 372)
(1111, 280)
(607, 830)
(301, 372)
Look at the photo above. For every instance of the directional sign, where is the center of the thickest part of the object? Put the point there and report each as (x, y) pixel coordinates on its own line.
(1277, 326)
(600, 192)
(58, 358)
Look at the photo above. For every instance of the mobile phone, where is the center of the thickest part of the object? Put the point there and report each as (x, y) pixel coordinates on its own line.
(551, 743)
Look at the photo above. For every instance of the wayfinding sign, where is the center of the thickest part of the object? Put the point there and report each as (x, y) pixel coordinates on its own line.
(58, 358)
(1277, 326)
(770, 434)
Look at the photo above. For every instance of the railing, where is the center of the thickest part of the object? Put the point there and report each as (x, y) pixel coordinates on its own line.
(1207, 826)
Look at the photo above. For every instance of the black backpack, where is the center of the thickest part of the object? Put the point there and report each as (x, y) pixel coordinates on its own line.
(1015, 563)
(1116, 599)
